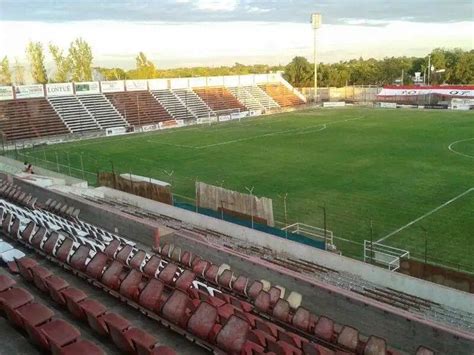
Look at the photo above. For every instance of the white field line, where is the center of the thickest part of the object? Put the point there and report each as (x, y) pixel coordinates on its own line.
(303, 130)
(426, 215)
(450, 147)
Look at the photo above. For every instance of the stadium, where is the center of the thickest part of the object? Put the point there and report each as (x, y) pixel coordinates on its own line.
(236, 214)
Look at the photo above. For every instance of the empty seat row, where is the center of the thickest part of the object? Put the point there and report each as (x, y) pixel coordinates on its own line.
(14, 193)
(282, 95)
(38, 322)
(73, 113)
(128, 339)
(61, 209)
(219, 99)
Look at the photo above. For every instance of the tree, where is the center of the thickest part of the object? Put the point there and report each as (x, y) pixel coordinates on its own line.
(19, 73)
(145, 69)
(62, 62)
(35, 55)
(5, 73)
(299, 72)
(80, 56)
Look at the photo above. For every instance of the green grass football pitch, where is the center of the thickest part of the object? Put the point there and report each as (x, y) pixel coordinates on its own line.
(396, 169)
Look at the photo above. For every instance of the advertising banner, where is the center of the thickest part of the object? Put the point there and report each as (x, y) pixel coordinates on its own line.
(112, 86)
(448, 90)
(6, 92)
(136, 85)
(158, 84)
(87, 88)
(62, 89)
(29, 91)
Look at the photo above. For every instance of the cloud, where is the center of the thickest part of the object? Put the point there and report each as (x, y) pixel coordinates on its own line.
(334, 12)
(175, 44)
(217, 5)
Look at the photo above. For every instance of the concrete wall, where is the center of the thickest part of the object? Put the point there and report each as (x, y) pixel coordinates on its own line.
(404, 283)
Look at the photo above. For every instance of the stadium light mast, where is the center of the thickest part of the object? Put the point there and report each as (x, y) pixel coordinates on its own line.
(316, 20)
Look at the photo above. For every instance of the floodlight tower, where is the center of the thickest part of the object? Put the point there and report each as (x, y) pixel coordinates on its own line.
(316, 20)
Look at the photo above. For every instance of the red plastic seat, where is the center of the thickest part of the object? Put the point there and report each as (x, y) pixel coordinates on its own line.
(301, 319)
(137, 341)
(137, 259)
(55, 285)
(34, 314)
(203, 320)
(275, 293)
(94, 312)
(38, 237)
(151, 267)
(24, 267)
(185, 281)
(262, 302)
(112, 248)
(116, 325)
(200, 267)
(260, 337)
(162, 350)
(268, 327)
(96, 266)
(254, 289)
(166, 250)
(59, 333)
(130, 285)
(74, 297)
(81, 347)
(40, 274)
(124, 253)
(240, 285)
(291, 338)
(211, 274)
(15, 229)
(233, 335)
(28, 231)
(6, 283)
(150, 297)
(324, 328)
(168, 274)
(50, 243)
(226, 278)
(11, 300)
(64, 250)
(79, 258)
(177, 308)
(375, 346)
(281, 310)
(7, 220)
(112, 275)
(250, 348)
(187, 258)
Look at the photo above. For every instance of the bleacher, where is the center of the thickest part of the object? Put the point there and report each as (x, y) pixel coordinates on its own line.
(104, 113)
(173, 104)
(282, 95)
(246, 98)
(194, 103)
(138, 107)
(262, 97)
(29, 118)
(73, 113)
(219, 99)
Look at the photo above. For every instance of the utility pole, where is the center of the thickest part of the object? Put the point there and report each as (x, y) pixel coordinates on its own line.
(429, 69)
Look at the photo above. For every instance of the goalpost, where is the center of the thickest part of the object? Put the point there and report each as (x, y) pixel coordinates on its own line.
(377, 253)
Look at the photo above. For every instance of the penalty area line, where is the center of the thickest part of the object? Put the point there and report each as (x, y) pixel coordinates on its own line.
(426, 214)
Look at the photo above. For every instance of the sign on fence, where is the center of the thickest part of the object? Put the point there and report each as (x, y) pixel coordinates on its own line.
(113, 86)
(29, 91)
(87, 88)
(63, 89)
(6, 93)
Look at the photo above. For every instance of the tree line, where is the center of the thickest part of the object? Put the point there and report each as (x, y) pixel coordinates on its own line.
(447, 67)
(75, 64)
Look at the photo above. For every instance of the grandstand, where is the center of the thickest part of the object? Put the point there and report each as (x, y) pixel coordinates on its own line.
(56, 109)
(165, 277)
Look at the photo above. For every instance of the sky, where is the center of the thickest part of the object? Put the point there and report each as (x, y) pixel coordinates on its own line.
(178, 33)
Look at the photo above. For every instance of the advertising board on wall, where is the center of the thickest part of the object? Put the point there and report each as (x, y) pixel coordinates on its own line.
(6, 93)
(158, 84)
(62, 89)
(29, 91)
(112, 86)
(136, 85)
(87, 88)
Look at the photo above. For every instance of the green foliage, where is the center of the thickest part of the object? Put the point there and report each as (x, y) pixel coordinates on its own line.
(19, 73)
(299, 72)
(5, 73)
(35, 55)
(80, 55)
(63, 64)
(145, 69)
